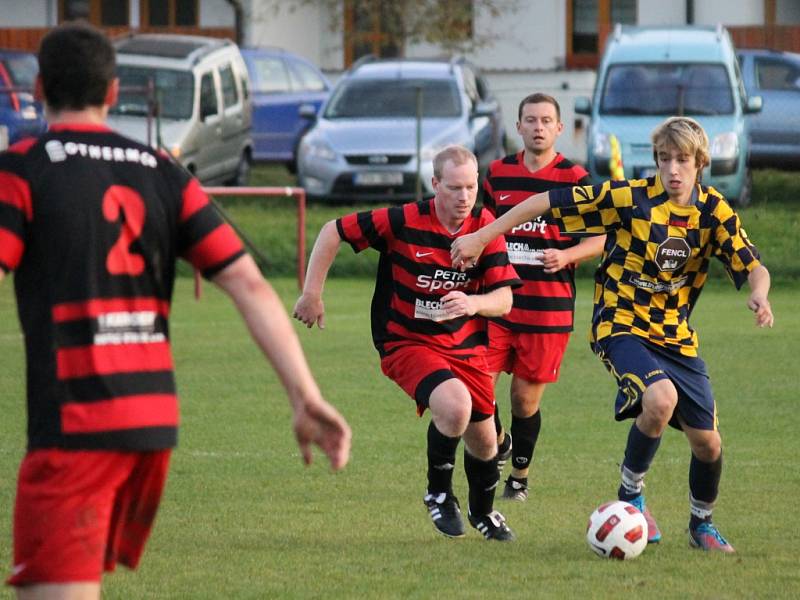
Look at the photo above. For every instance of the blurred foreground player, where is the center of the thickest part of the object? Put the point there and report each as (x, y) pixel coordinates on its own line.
(92, 223)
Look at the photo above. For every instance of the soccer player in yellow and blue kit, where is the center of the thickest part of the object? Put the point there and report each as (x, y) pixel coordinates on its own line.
(662, 232)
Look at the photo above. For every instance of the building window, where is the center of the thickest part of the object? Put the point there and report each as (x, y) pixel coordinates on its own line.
(588, 24)
(169, 13)
(103, 13)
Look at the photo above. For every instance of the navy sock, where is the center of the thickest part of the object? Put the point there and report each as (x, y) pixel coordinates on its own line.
(482, 477)
(703, 487)
(639, 453)
(525, 433)
(441, 460)
(498, 426)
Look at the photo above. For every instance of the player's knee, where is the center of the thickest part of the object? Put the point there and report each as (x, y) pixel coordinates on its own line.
(659, 402)
(707, 448)
(524, 405)
(451, 406)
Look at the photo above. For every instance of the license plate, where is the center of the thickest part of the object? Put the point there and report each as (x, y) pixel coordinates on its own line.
(378, 178)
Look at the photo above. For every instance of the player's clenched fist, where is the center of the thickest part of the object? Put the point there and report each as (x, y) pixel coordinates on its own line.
(309, 309)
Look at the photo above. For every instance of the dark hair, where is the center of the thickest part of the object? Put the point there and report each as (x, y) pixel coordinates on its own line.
(536, 99)
(77, 64)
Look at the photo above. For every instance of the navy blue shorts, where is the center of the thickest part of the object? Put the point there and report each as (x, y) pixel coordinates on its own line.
(636, 364)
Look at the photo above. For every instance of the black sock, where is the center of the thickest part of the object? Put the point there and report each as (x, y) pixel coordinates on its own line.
(525, 433)
(482, 477)
(703, 487)
(441, 460)
(639, 453)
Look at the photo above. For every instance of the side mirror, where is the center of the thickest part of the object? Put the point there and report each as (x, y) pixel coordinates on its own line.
(754, 104)
(308, 112)
(583, 105)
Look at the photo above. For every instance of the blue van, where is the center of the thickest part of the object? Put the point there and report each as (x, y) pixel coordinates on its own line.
(650, 73)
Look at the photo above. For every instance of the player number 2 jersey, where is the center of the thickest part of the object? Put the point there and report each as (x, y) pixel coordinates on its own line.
(92, 223)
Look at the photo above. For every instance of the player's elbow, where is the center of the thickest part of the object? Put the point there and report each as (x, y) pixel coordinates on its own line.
(505, 301)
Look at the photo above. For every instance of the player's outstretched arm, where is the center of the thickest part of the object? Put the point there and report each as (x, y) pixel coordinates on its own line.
(589, 247)
(759, 282)
(314, 421)
(309, 307)
(467, 248)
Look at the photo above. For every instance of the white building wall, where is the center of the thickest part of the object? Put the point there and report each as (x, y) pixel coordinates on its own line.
(524, 39)
(41, 13)
(216, 13)
(299, 31)
(659, 12)
(741, 12)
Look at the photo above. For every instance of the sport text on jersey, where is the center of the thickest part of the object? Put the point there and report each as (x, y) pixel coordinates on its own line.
(59, 152)
(443, 279)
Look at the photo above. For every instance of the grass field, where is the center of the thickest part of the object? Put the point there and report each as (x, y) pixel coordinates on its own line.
(772, 221)
(243, 519)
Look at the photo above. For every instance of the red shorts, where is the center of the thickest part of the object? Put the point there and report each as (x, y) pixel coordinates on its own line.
(80, 512)
(535, 357)
(418, 370)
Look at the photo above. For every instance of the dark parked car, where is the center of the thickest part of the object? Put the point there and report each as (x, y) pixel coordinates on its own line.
(20, 115)
(283, 84)
(775, 131)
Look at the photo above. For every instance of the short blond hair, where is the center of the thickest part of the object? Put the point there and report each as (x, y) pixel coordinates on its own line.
(684, 134)
(457, 154)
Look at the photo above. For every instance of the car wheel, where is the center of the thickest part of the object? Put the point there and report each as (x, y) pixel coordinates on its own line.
(242, 175)
(746, 192)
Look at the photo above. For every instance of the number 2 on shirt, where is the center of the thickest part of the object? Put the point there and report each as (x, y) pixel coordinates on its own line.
(123, 202)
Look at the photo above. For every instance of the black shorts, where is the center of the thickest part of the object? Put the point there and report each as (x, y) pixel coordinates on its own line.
(637, 364)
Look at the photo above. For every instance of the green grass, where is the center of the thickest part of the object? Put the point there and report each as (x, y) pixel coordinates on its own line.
(242, 518)
(772, 222)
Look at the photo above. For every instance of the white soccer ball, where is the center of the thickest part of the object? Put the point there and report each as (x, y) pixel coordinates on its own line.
(617, 530)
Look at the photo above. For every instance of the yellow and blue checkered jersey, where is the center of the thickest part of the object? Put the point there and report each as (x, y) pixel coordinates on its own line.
(656, 256)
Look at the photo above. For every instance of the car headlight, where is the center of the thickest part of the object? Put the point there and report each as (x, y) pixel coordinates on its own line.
(602, 145)
(320, 149)
(725, 145)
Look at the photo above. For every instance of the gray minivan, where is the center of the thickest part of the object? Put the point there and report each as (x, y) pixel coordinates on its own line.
(189, 95)
(650, 73)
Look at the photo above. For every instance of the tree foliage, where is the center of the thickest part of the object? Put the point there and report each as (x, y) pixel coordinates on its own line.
(448, 24)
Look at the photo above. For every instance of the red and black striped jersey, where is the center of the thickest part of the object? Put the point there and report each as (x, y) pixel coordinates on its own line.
(92, 223)
(546, 301)
(659, 251)
(415, 272)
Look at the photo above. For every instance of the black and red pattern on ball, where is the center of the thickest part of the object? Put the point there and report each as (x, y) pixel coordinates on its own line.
(602, 532)
(634, 534)
(617, 553)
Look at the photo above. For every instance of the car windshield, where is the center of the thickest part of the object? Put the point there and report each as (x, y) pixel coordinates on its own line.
(174, 89)
(667, 89)
(393, 98)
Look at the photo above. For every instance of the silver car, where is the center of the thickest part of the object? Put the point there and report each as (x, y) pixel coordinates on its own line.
(363, 146)
(201, 89)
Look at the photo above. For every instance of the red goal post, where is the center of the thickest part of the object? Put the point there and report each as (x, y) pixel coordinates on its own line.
(295, 193)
